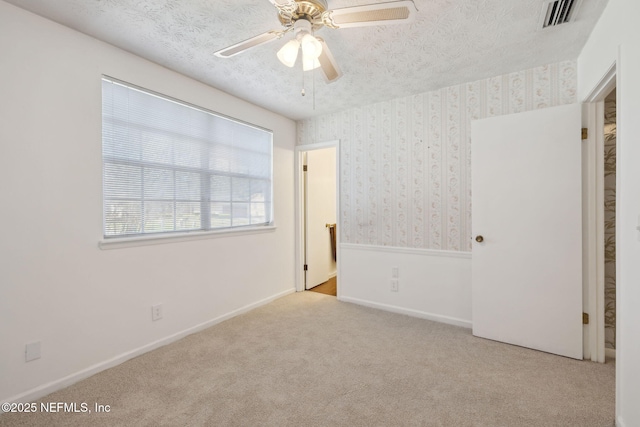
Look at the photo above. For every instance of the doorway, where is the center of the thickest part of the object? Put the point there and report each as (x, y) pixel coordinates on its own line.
(317, 240)
(609, 240)
(599, 218)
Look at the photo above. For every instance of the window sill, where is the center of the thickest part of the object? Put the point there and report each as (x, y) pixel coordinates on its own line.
(128, 242)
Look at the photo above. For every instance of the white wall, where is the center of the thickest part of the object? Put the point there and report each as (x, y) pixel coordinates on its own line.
(91, 308)
(405, 186)
(434, 285)
(616, 38)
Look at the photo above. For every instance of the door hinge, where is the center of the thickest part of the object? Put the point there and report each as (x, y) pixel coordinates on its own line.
(585, 133)
(306, 267)
(585, 318)
(304, 168)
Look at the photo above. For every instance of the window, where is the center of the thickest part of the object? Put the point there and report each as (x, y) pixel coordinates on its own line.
(172, 167)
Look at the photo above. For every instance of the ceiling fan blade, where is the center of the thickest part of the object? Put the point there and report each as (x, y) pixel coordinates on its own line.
(287, 7)
(248, 44)
(328, 65)
(395, 12)
(280, 3)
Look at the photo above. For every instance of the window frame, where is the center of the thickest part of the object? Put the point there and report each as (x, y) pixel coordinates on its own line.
(206, 174)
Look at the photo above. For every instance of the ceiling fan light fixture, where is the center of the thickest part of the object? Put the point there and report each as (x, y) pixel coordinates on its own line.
(289, 53)
(311, 47)
(309, 62)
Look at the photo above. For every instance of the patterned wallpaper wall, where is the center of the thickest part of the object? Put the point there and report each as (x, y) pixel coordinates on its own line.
(610, 221)
(406, 164)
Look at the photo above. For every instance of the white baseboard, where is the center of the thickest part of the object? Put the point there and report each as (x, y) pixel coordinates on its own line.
(64, 382)
(610, 353)
(410, 312)
(620, 423)
(434, 285)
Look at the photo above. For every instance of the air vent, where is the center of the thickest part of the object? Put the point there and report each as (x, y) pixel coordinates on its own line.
(558, 12)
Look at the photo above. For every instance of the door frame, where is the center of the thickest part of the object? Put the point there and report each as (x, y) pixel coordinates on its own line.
(300, 214)
(593, 216)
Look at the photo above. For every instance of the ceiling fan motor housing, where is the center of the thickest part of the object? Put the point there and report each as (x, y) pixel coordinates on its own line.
(301, 27)
(308, 10)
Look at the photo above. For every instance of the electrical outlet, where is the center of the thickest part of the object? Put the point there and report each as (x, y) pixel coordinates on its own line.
(394, 285)
(394, 272)
(32, 351)
(156, 312)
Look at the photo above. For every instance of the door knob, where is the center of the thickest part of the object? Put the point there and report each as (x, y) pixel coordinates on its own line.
(479, 239)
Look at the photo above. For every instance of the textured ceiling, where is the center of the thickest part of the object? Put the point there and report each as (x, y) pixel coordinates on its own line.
(450, 42)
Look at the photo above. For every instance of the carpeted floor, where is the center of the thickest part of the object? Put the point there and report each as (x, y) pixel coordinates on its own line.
(310, 360)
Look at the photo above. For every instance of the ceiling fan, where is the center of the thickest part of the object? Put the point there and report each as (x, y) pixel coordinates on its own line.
(304, 17)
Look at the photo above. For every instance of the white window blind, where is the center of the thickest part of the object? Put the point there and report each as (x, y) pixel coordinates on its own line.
(172, 167)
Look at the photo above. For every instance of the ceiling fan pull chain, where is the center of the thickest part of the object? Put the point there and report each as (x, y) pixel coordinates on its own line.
(313, 77)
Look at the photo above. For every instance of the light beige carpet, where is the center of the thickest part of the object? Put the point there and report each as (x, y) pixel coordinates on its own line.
(310, 360)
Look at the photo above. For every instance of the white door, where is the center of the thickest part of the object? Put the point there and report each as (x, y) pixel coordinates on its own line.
(527, 270)
(320, 210)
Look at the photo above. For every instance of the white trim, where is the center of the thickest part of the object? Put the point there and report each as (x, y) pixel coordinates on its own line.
(620, 143)
(604, 86)
(318, 146)
(589, 233)
(159, 239)
(594, 279)
(600, 279)
(598, 345)
(299, 222)
(411, 251)
(410, 312)
(610, 353)
(43, 390)
(620, 422)
(299, 205)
